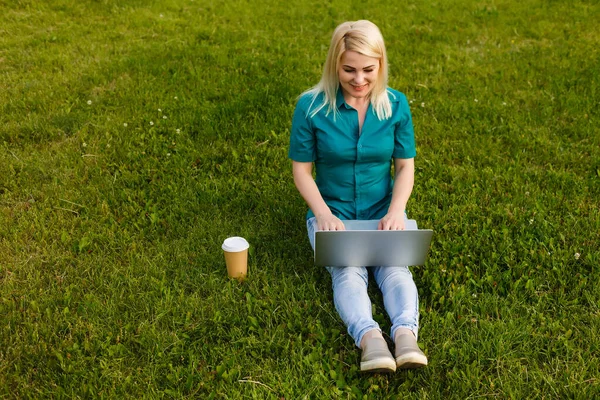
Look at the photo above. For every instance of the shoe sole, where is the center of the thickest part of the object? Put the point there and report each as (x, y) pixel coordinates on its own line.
(378, 366)
(411, 361)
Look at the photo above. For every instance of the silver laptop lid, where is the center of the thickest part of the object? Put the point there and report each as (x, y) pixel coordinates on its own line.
(361, 244)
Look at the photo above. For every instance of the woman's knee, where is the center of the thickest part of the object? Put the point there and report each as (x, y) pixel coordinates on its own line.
(393, 275)
(348, 275)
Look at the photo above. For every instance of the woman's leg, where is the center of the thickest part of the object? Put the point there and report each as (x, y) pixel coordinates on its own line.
(352, 300)
(400, 297)
(401, 301)
(350, 295)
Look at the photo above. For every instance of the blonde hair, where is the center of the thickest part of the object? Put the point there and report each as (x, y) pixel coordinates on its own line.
(362, 37)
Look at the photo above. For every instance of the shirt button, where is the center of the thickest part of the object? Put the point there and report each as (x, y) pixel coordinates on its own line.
(360, 146)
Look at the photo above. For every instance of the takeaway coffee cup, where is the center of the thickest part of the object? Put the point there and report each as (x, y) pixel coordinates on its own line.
(236, 256)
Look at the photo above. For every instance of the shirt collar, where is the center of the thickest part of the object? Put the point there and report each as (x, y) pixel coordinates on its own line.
(339, 99)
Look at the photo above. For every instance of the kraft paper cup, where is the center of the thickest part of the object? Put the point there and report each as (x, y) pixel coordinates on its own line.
(236, 256)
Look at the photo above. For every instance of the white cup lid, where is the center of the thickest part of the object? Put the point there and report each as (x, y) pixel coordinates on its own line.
(234, 244)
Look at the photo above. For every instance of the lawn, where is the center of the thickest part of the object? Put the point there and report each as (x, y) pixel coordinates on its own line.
(136, 135)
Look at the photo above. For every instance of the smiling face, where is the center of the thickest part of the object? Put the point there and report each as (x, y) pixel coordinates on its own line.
(358, 74)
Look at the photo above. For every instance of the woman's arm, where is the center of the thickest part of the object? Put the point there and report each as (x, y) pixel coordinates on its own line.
(307, 187)
(404, 173)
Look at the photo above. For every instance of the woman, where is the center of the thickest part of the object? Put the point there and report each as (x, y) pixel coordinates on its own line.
(351, 126)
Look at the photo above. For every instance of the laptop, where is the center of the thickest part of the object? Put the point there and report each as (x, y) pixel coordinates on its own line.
(362, 245)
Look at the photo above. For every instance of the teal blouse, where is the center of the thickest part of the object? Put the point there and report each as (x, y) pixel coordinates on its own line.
(353, 172)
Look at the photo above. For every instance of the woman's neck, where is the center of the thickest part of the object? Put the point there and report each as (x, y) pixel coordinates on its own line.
(357, 103)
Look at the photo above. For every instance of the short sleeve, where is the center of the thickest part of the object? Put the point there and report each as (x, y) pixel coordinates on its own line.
(404, 134)
(302, 138)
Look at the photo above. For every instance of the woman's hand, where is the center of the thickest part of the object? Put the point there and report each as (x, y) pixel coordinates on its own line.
(329, 222)
(392, 222)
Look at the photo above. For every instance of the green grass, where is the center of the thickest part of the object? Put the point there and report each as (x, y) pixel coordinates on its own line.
(112, 281)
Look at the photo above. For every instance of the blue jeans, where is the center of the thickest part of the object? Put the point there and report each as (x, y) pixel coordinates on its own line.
(352, 302)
